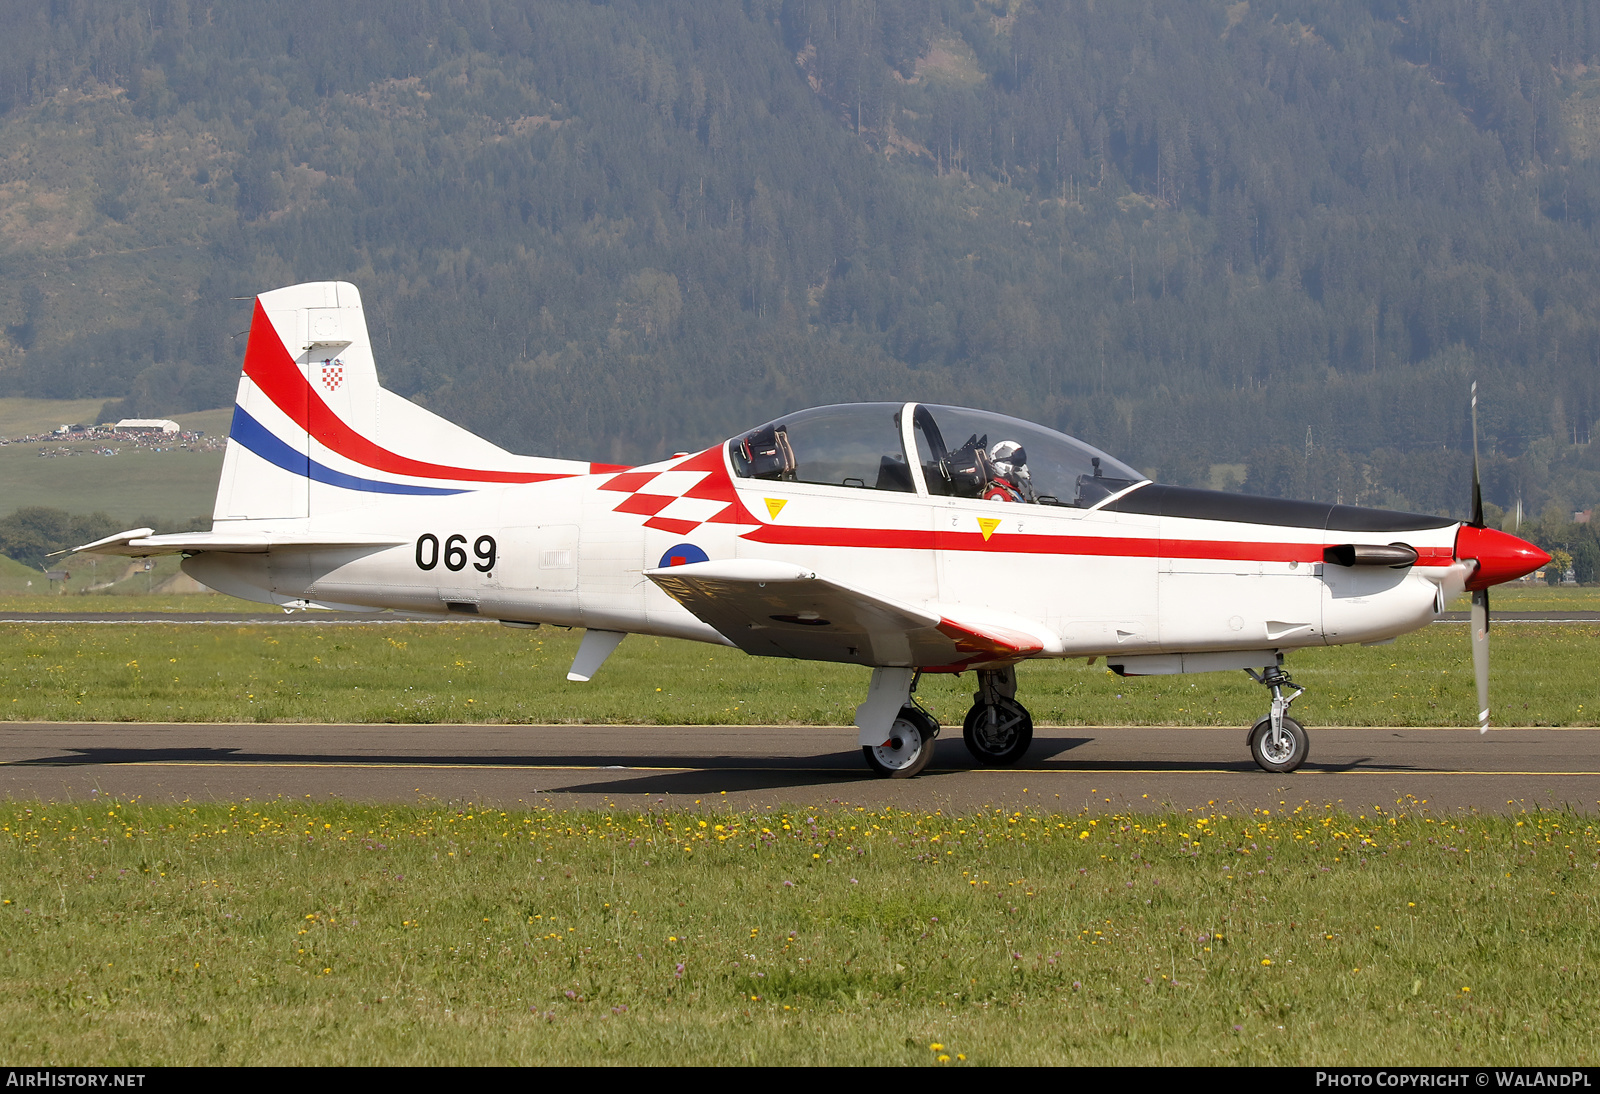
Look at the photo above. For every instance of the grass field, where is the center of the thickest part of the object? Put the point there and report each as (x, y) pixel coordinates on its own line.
(111, 584)
(477, 672)
(169, 486)
(323, 933)
(327, 934)
(26, 417)
(1539, 597)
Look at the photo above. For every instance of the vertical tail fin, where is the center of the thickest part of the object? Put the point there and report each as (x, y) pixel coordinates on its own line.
(314, 434)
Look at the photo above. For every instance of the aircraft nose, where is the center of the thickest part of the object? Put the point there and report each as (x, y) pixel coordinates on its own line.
(1500, 556)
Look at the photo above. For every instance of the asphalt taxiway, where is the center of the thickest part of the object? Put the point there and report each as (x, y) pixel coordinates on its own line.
(590, 766)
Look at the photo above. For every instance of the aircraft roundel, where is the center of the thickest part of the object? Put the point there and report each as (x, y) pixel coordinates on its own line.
(682, 555)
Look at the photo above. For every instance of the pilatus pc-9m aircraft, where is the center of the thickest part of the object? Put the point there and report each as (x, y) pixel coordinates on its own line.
(902, 537)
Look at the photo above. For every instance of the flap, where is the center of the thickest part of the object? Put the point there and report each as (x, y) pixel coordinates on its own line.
(777, 609)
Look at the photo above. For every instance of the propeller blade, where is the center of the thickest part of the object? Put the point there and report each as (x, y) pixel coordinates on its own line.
(1480, 654)
(1477, 488)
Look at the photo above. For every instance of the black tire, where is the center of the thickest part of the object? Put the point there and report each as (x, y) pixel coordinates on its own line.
(999, 735)
(1279, 760)
(909, 747)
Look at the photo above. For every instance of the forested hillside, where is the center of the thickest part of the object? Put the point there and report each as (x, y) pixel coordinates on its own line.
(1279, 235)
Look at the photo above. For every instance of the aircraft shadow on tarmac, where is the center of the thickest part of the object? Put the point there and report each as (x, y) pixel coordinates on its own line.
(686, 775)
(847, 760)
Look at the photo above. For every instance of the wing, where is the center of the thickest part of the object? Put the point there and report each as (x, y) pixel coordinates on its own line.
(776, 609)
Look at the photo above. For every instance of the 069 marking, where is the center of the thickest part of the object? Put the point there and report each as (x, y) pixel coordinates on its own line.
(455, 552)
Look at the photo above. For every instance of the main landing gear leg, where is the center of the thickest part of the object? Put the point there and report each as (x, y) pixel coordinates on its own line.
(1278, 742)
(998, 729)
(897, 735)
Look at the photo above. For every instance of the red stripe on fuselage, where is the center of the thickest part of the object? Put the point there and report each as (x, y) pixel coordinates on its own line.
(270, 367)
(1024, 544)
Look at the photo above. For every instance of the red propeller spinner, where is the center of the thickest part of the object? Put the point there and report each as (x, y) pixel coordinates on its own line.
(1500, 556)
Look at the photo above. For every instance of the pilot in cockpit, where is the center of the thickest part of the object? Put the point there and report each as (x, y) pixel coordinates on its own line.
(994, 474)
(1010, 481)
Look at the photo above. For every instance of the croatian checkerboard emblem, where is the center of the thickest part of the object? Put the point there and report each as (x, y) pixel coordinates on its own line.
(332, 374)
(681, 497)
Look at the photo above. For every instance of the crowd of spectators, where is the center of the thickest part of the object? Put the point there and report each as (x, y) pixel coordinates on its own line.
(108, 440)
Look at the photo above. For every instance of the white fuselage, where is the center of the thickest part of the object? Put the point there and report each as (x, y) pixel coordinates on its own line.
(572, 552)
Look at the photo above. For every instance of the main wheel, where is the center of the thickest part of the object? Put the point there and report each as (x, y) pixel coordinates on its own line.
(1284, 754)
(909, 747)
(998, 735)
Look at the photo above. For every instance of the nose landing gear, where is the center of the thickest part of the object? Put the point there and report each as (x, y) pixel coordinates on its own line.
(1278, 742)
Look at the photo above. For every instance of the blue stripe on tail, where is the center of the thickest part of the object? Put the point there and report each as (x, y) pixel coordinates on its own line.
(258, 439)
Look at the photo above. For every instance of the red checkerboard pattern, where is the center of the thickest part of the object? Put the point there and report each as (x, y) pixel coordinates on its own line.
(714, 486)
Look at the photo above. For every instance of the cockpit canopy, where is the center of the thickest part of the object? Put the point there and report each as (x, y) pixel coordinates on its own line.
(959, 453)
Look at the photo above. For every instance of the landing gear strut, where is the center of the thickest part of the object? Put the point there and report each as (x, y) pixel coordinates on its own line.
(1278, 742)
(998, 729)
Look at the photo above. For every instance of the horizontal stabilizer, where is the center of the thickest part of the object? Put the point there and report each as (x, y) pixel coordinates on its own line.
(777, 609)
(139, 543)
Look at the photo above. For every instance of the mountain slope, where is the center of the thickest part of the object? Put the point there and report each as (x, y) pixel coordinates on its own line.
(1283, 234)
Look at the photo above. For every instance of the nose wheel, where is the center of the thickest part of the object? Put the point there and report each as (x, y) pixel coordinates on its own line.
(998, 729)
(1278, 742)
(1282, 750)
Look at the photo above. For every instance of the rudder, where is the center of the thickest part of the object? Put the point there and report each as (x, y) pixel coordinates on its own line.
(315, 434)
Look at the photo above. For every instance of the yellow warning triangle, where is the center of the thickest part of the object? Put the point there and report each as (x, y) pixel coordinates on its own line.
(987, 525)
(775, 506)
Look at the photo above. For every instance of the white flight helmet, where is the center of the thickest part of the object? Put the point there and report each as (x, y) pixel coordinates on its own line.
(1010, 462)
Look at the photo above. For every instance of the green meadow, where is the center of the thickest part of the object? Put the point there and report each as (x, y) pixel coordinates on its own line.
(297, 933)
(325, 933)
(111, 584)
(172, 485)
(1543, 674)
